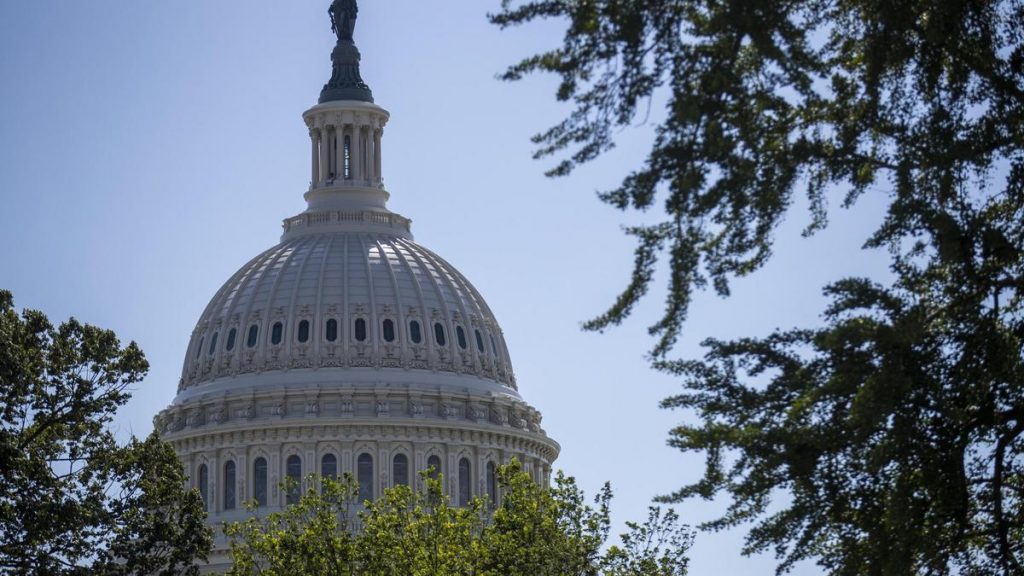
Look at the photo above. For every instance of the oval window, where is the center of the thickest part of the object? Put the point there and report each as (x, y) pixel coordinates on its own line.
(199, 349)
(414, 332)
(276, 333)
(389, 330)
(439, 334)
(254, 331)
(231, 340)
(332, 330)
(360, 329)
(304, 331)
(479, 342)
(213, 344)
(460, 335)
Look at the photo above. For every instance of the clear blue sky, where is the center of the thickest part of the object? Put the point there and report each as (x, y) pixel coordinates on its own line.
(149, 149)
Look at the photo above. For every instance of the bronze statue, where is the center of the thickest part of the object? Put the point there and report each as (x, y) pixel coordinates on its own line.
(343, 18)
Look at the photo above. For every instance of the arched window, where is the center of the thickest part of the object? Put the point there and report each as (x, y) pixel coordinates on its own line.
(304, 331)
(231, 340)
(492, 482)
(465, 482)
(460, 335)
(204, 486)
(213, 344)
(434, 466)
(254, 332)
(389, 330)
(259, 481)
(348, 157)
(364, 474)
(360, 329)
(199, 349)
(229, 485)
(332, 330)
(479, 342)
(414, 332)
(400, 470)
(293, 471)
(439, 334)
(329, 466)
(276, 332)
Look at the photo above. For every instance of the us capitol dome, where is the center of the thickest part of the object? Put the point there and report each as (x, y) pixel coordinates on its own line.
(347, 347)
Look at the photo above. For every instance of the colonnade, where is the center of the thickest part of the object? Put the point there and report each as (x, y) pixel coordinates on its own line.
(346, 151)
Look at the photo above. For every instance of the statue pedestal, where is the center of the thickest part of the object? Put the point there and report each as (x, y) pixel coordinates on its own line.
(345, 82)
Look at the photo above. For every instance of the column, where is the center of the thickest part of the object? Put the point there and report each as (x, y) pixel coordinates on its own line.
(325, 162)
(316, 158)
(376, 154)
(357, 152)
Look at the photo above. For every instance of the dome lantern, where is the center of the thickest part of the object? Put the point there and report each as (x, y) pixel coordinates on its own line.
(345, 130)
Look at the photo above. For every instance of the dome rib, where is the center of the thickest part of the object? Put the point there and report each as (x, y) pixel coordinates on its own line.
(319, 319)
(399, 312)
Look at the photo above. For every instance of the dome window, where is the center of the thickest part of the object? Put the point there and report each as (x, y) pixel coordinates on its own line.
(414, 332)
(204, 486)
(259, 481)
(348, 157)
(304, 331)
(492, 483)
(254, 332)
(213, 344)
(494, 347)
(400, 470)
(231, 339)
(293, 472)
(329, 466)
(465, 482)
(434, 467)
(361, 329)
(479, 342)
(199, 349)
(389, 330)
(439, 334)
(276, 332)
(332, 330)
(229, 485)
(364, 475)
(460, 335)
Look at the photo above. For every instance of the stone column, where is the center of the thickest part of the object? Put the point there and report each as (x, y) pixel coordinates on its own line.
(314, 137)
(376, 154)
(325, 162)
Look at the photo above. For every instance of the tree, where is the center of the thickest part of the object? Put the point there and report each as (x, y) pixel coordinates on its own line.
(896, 427)
(534, 531)
(72, 500)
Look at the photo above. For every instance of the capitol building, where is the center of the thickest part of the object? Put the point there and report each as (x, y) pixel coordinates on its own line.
(347, 347)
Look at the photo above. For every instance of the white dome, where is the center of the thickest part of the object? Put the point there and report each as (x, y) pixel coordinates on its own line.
(346, 292)
(347, 348)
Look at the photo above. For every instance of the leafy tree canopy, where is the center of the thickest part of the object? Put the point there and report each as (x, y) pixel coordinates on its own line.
(897, 426)
(73, 500)
(533, 531)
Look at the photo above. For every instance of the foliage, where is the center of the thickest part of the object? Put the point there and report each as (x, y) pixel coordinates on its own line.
(73, 501)
(897, 426)
(534, 531)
